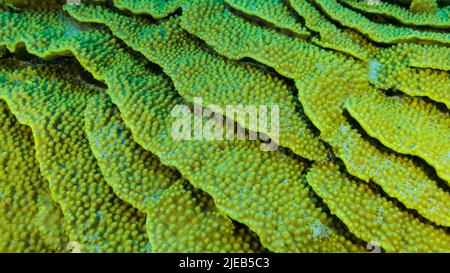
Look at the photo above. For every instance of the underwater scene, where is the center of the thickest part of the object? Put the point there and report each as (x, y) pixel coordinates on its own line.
(224, 126)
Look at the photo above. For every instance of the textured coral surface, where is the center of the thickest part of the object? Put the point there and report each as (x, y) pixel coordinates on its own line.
(360, 153)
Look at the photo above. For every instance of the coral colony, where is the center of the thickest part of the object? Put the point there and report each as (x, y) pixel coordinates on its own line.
(100, 149)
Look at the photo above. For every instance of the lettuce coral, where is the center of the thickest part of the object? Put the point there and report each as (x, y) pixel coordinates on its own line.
(423, 5)
(175, 211)
(382, 33)
(202, 162)
(325, 81)
(402, 14)
(156, 8)
(193, 70)
(24, 193)
(89, 161)
(397, 118)
(53, 107)
(372, 216)
(275, 12)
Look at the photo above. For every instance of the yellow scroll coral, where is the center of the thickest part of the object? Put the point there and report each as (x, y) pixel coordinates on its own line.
(378, 32)
(219, 82)
(51, 223)
(440, 18)
(427, 56)
(179, 218)
(156, 8)
(21, 188)
(330, 35)
(389, 69)
(237, 38)
(3, 51)
(118, 149)
(274, 11)
(407, 125)
(32, 4)
(372, 216)
(324, 82)
(253, 196)
(401, 177)
(423, 5)
(392, 67)
(52, 104)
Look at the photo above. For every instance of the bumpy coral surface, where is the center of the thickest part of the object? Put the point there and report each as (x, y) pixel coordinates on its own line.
(358, 154)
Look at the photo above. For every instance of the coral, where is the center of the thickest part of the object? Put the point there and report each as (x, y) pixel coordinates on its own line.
(382, 33)
(428, 56)
(50, 222)
(91, 94)
(32, 4)
(178, 216)
(423, 5)
(324, 82)
(373, 217)
(275, 12)
(289, 56)
(402, 14)
(156, 8)
(251, 197)
(399, 176)
(198, 73)
(22, 188)
(389, 69)
(3, 52)
(407, 125)
(52, 104)
(330, 36)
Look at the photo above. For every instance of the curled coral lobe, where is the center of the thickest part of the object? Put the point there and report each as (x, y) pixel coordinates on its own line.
(89, 161)
(175, 210)
(52, 104)
(25, 193)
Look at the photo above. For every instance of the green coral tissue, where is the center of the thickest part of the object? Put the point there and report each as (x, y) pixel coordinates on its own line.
(224, 126)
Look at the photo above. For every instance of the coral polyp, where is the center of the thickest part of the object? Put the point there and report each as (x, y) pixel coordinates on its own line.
(351, 96)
